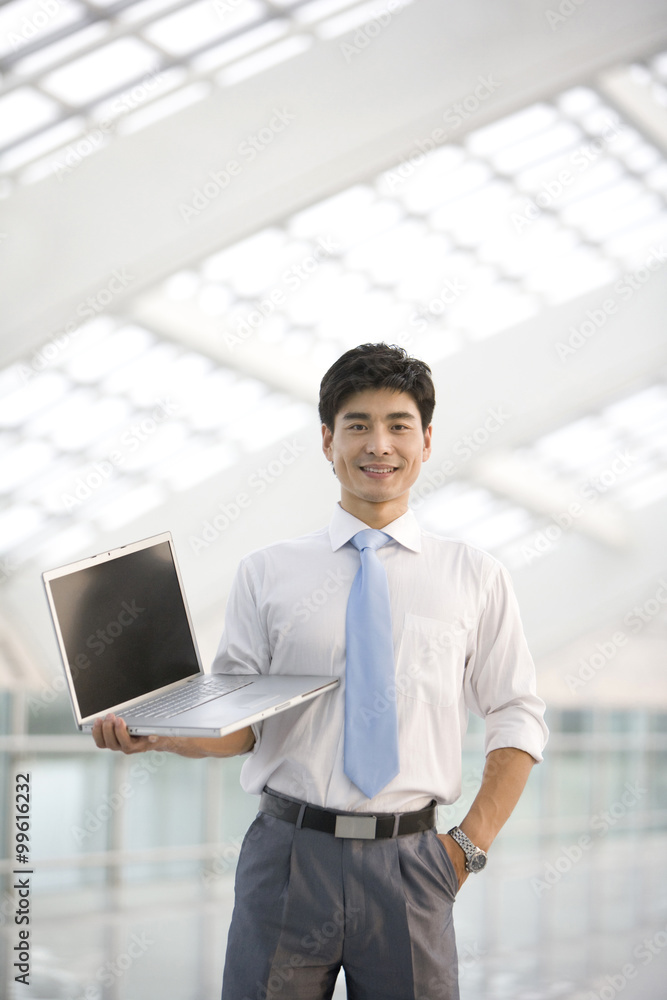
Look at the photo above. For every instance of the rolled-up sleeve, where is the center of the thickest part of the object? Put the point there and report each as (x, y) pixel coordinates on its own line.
(244, 646)
(499, 682)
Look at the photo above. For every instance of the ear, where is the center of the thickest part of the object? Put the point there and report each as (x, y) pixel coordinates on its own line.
(327, 442)
(426, 454)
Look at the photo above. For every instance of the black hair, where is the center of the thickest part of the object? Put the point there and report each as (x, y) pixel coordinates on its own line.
(376, 366)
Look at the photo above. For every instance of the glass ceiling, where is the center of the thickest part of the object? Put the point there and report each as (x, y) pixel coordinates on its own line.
(70, 65)
(441, 250)
(616, 456)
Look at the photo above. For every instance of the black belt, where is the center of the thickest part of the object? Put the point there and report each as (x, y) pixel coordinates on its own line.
(363, 826)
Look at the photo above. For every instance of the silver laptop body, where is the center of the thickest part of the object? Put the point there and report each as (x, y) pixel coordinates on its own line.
(127, 645)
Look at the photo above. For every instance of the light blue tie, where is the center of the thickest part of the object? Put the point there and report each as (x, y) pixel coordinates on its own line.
(371, 726)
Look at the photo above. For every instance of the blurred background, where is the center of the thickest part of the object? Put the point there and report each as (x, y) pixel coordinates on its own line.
(203, 204)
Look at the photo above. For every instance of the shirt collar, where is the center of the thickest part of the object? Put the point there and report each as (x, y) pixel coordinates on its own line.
(405, 530)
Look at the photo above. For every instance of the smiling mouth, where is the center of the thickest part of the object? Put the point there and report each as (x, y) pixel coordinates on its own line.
(378, 470)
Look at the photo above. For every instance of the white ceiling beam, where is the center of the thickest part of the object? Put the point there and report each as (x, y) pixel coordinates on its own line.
(520, 480)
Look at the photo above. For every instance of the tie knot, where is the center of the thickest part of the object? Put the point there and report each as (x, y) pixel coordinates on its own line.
(370, 538)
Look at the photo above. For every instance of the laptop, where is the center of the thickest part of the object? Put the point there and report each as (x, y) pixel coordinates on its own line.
(128, 647)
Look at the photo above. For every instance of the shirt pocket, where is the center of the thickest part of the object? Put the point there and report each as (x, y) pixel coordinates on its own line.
(431, 660)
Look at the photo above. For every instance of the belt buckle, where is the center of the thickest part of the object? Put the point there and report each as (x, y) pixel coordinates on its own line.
(359, 827)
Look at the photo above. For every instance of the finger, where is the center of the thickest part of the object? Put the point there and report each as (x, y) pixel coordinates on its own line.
(109, 733)
(98, 734)
(128, 743)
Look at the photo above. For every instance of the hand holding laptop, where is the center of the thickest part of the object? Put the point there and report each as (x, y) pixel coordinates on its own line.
(128, 649)
(111, 733)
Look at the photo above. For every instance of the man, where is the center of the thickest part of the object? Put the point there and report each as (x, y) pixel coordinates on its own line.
(349, 871)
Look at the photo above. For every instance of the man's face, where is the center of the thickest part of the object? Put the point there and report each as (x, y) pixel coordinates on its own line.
(377, 447)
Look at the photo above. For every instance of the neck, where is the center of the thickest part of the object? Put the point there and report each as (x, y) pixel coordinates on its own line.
(375, 515)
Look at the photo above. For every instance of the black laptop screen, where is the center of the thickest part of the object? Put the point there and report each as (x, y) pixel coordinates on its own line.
(125, 628)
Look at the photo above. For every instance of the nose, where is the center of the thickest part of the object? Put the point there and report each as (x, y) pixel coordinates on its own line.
(379, 442)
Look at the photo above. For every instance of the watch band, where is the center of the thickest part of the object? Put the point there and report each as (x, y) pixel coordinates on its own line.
(476, 858)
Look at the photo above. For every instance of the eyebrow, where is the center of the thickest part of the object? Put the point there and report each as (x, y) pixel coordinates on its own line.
(403, 415)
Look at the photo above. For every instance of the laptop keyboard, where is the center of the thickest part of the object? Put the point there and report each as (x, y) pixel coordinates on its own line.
(189, 696)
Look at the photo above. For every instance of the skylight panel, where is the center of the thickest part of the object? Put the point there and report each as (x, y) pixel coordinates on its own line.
(58, 548)
(183, 97)
(47, 141)
(242, 264)
(406, 247)
(140, 10)
(198, 24)
(273, 330)
(212, 407)
(454, 507)
(242, 45)
(154, 443)
(316, 10)
(635, 410)
(578, 101)
(130, 505)
(560, 138)
(183, 285)
(537, 248)
(36, 394)
(237, 406)
(442, 279)
(288, 416)
(626, 217)
(256, 431)
(62, 423)
(142, 377)
(199, 460)
(157, 81)
(106, 69)
(356, 16)
(24, 111)
(305, 304)
(603, 212)
(634, 246)
(338, 297)
(115, 349)
(512, 129)
(500, 305)
(214, 300)
(474, 217)
(642, 158)
(470, 176)
(574, 445)
(421, 180)
(90, 333)
(334, 216)
(22, 462)
(18, 523)
(51, 482)
(370, 316)
(60, 50)
(581, 271)
(24, 22)
(499, 528)
(373, 307)
(644, 493)
(177, 380)
(604, 174)
(278, 271)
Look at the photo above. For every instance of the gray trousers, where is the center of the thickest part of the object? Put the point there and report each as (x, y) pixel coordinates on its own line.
(308, 903)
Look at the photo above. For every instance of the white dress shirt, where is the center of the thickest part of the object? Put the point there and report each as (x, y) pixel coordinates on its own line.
(458, 645)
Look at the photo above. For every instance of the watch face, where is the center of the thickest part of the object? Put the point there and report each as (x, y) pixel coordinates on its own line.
(477, 862)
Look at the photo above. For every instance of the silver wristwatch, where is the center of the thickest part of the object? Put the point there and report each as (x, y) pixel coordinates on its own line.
(476, 858)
